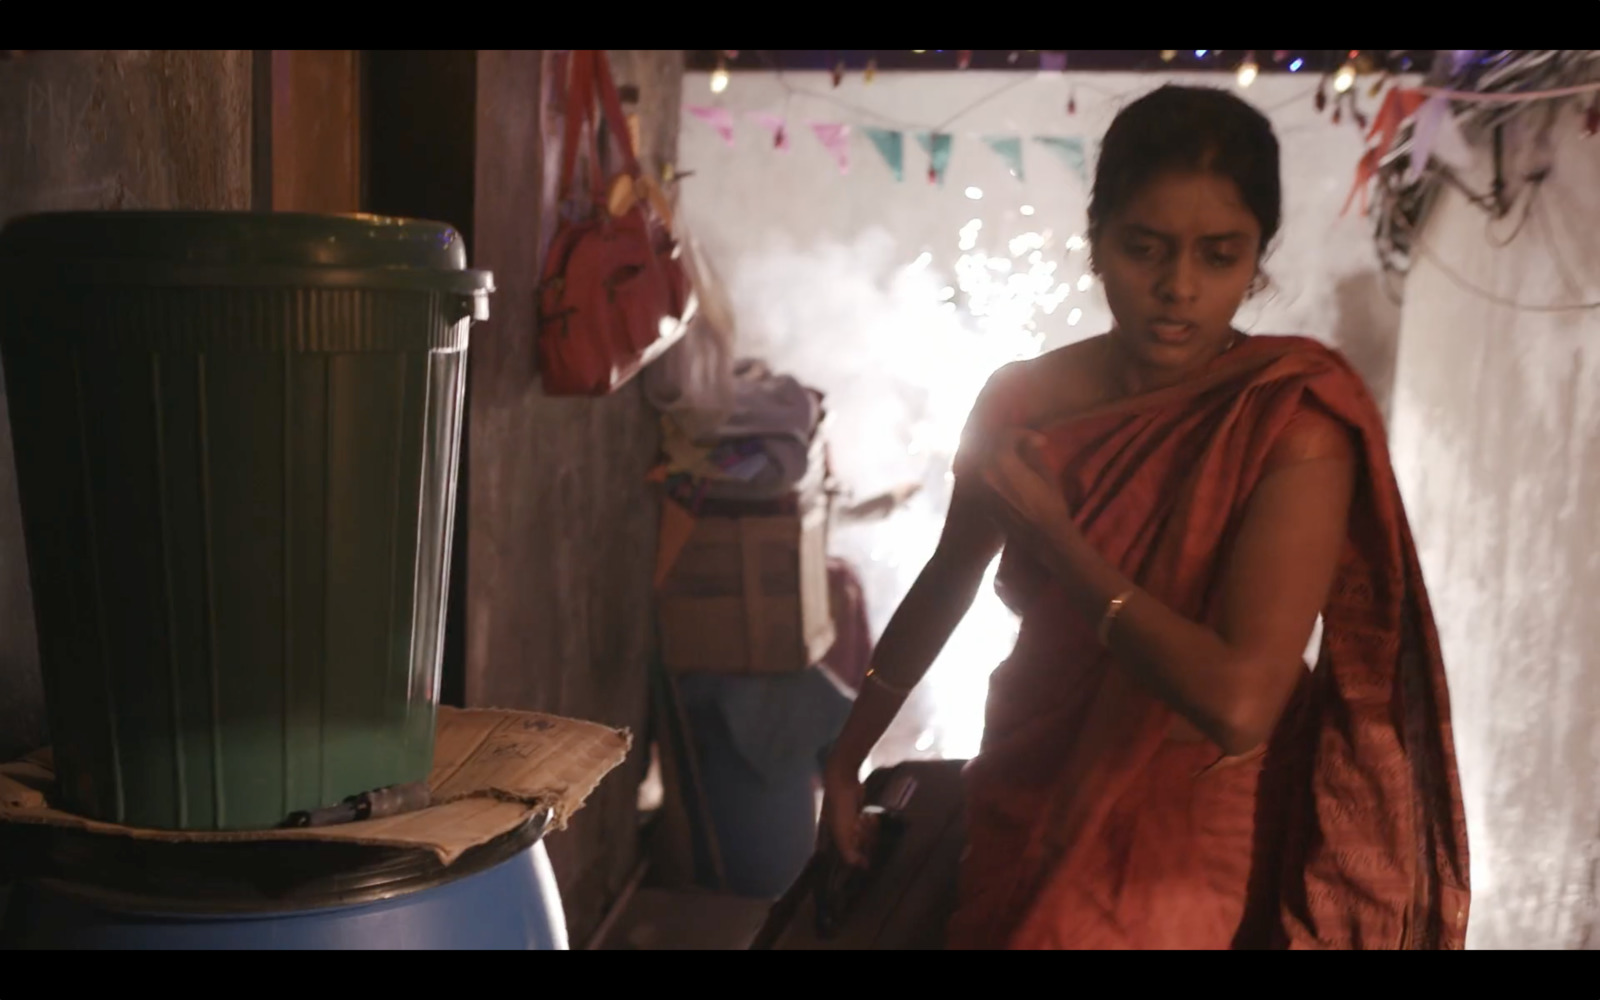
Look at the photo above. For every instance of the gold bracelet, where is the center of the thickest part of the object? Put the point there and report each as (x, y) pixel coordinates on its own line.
(872, 675)
(1109, 618)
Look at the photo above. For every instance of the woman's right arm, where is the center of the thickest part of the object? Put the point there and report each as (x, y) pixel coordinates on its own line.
(935, 605)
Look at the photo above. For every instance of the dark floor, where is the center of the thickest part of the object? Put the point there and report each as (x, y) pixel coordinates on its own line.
(668, 920)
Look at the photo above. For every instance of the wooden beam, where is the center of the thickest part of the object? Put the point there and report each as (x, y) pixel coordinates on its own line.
(316, 132)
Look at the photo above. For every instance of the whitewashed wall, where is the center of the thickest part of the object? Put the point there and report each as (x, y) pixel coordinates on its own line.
(1497, 440)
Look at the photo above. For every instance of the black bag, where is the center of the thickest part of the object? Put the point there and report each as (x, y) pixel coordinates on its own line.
(905, 898)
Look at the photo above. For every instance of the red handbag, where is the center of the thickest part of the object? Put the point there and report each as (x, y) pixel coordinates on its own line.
(614, 295)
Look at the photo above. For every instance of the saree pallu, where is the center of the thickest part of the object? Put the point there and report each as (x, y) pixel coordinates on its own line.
(1090, 827)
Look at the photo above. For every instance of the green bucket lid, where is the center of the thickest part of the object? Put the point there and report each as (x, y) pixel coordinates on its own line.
(240, 248)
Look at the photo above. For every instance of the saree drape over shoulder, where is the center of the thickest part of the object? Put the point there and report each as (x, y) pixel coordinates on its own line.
(1089, 827)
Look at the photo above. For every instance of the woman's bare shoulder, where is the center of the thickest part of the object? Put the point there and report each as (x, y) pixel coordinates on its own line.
(1054, 383)
(1312, 434)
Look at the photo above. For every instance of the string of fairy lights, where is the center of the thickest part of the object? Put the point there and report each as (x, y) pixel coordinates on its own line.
(1340, 69)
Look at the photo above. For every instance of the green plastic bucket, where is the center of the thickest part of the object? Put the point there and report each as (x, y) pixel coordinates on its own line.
(236, 440)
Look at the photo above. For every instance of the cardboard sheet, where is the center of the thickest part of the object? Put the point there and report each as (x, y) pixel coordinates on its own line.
(493, 770)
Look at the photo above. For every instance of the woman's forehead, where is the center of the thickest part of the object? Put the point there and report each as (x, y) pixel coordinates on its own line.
(1189, 205)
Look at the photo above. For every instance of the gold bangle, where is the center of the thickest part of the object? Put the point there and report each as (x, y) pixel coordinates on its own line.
(872, 675)
(1109, 618)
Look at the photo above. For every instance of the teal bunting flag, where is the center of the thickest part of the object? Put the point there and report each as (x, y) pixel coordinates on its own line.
(937, 146)
(1008, 148)
(1071, 151)
(891, 145)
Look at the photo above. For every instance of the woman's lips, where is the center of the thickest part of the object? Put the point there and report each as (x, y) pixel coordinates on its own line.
(1171, 331)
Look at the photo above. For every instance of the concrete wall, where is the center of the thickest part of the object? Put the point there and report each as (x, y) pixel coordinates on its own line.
(1497, 442)
(104, 129)
(562, 526)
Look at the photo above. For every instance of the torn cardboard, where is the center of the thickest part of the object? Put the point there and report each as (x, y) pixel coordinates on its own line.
(493, 771)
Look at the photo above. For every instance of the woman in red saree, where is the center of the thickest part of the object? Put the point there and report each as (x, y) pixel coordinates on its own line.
(1177, 503)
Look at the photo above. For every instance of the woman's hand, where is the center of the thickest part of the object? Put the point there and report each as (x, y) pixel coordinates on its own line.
(841, 810)
(1029, 501)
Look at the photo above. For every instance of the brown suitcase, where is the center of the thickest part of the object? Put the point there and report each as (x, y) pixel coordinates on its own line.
(907, 896)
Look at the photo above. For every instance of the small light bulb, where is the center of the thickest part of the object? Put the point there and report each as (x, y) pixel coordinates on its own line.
(1027, 210)
(1345, 78)
(1248, 71)
(1167, 55)
(719, 78)
(975, 193)
(1294, 67)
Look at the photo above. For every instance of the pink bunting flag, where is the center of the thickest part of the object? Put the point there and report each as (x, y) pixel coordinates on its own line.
(836, 138)
(720, 119)
(776, 125)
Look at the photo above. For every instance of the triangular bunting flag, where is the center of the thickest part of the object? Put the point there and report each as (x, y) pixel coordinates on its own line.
(776, 126)
(1424, 133)
(1364, 173)
(837, 140)
(1009, 148)
(1070, 149)
(891, 145)
(1398, 107)
(720, 119)
(937, 146)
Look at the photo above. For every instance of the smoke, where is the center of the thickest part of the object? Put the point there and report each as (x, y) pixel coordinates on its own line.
(875, 326)
(872, 327)
(860, 322)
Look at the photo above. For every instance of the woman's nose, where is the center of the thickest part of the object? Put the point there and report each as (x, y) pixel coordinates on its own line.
(1179, 283)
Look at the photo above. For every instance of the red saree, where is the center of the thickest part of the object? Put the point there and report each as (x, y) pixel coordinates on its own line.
(1090, 828)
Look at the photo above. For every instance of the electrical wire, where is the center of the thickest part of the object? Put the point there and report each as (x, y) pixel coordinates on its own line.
(1562, 264)
(898, 124)
(1518, 97)
(1532, 198)
(1469, 286)
(1485, 95)
(1292, 101)
(980, 102)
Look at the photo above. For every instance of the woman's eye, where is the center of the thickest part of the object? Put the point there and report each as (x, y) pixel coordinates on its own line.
(1141, 251)
(1223, 260)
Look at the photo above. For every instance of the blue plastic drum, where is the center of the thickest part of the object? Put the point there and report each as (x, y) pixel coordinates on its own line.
(115, 894)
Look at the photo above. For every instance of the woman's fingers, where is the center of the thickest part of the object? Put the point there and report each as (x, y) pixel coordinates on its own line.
(842, 809)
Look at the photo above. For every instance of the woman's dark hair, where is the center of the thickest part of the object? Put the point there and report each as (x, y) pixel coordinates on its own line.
(1189, 129)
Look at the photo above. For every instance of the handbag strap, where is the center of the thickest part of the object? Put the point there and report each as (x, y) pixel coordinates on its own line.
(589, 72)
(579, 113)
(611, 105)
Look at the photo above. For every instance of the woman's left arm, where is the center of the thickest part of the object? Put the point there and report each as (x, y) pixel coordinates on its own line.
(1231, 682)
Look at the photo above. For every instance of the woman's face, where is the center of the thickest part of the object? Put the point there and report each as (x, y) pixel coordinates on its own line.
(1177, 260)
